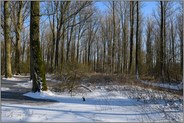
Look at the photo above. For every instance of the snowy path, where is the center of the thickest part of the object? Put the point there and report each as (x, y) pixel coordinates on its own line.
(100, 105)
(12, 91)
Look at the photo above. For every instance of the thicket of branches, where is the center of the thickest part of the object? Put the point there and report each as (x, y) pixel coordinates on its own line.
(118, 41)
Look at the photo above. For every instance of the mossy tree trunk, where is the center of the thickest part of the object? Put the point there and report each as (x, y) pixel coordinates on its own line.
(38, 73)
(8, 71)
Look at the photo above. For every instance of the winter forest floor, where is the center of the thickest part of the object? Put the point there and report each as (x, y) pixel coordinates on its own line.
(104, 102)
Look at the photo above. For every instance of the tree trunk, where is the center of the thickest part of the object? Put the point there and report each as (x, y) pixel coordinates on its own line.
(104, 54)
(18, 36)
(56, 52)
(172, 41)
(114, 40)
(149, 57)
(39, 81)
(131, 33)
(161, 42)
(77, 58)
(69, 40)
(53, 42)
(8, 71)
(109, 48)
(125, 45)
(137, 43)
(181, 40)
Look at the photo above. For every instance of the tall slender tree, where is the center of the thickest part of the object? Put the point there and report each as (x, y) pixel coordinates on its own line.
(114, 38)
(131, 33)
(161, 56)
(137, 42)
(149, 54)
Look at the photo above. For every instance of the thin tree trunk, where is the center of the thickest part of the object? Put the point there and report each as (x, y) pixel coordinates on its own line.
(78, 61)
(137, 42)
(131, 33)
(172, 41)
(109, 48)
(104, 54)
(53, 42)
(114, 40)
(161, 41)
(69, 40)
(125, 45)
(149, 57)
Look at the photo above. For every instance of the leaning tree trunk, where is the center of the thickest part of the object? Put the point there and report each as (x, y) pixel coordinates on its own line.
(8, 72)
(39, 82)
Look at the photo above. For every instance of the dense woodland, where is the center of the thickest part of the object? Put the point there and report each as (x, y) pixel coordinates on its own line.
(71, 36)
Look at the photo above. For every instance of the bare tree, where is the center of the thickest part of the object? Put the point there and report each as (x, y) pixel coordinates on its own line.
(19, 12)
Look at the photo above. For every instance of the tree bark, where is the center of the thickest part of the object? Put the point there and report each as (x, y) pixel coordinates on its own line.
(161, 70)
(125, 44)
(39, 81)
(131, 33)
(149, 57)
(137, 43)
(18, 38)
(114, 40)
(8, 71)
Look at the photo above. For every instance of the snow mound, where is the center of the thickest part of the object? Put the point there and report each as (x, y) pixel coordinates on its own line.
(38, 95)
(4, 89)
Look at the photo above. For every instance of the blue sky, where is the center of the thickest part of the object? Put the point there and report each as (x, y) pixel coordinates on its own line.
(147, 8)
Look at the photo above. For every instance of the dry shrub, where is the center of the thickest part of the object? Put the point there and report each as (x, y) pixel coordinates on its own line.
(70, 77)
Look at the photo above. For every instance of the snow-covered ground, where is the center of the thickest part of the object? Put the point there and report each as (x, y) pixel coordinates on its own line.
(11, 79)
(4, 89)
(101, 105)
(166, 85)
(97, 107)
(28, 84)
